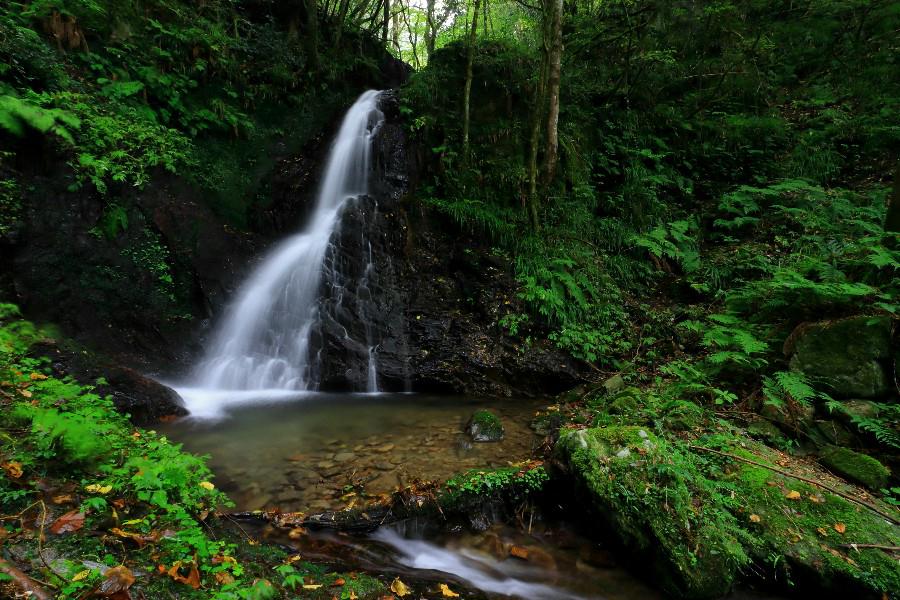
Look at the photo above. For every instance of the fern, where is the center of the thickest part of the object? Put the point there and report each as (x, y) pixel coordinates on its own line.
(883, 424)
(17, 116)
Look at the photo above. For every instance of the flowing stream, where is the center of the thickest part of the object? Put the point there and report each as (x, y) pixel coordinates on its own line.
(262, 349)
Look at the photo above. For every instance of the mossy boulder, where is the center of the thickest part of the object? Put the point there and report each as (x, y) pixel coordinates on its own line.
(695, 517)
(857, 467)
(484, 426)
(845, 358)
(651, 495)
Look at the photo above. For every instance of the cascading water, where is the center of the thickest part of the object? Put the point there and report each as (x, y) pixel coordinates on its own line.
(262, 349)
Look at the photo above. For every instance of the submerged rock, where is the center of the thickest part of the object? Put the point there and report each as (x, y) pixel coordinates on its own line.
(484, 426)
(845, 358)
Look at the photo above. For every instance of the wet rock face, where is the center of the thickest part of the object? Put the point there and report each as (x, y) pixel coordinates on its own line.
(423, 295)
(846, 358)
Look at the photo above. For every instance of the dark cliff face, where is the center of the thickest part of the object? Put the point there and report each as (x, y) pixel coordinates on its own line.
(423, 296)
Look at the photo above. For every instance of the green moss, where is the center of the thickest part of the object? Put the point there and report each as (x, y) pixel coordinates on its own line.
(856, 466)
(654, 496)
(802, 534)
(485, 426)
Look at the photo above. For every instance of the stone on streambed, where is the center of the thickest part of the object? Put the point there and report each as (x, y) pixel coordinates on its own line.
(484, 426)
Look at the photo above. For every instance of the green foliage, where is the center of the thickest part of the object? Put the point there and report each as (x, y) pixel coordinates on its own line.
(509, 483)
(18, 116)
(883, 424)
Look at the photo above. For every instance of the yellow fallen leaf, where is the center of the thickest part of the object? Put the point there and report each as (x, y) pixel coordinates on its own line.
(755, 518)
(399, 588)
(25, 393)
(81, 575)
(822, 531)
(37, 376)
(13, 469)
(312, 586)
(793, 495)
(840, 527)
(206, 485)
(96, 488)
(446, 592)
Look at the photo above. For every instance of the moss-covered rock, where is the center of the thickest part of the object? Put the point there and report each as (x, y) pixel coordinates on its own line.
(694, 517)
(856, 467)
(845, 357)
(653, 497)
(805, 532)
(485, 426)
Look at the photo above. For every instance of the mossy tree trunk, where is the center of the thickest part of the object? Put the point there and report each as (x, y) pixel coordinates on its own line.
(553, 14)
(470, 61)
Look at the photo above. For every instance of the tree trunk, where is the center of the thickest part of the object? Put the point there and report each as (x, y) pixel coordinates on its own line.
(892, 218)
(312, 33)
(470, 61)
(553, 12)
(395, 31)
(537, 117)
(386, 22)
(430, 28)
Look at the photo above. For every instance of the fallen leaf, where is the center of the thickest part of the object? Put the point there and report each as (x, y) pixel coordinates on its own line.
(224, 578)
(62, 499)
(816, 498)
(755, 518)
(13, 469)
(207, 485)
(446, 592)
(81, 575)
(399, 588)
(793, 495)
(25, 393)
(71, 521)
(519, 552)
(116, 583)
(840, 528)
(312, 586)
(138, 538)
(96, 488)
(296, 533)
(822, 531)
(339, 581)
(192, 579)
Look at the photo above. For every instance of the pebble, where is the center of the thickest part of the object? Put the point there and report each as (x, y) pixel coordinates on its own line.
(344, 457)
(385, 448)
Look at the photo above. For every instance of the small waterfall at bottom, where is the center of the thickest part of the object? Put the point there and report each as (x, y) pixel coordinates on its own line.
(262, 350)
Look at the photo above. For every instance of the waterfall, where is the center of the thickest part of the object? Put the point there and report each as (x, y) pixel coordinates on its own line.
(262, 348)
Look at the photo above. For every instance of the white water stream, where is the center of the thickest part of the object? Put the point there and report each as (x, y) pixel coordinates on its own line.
(261, 351)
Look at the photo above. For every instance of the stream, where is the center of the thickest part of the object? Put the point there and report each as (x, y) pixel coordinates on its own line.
(316, 452)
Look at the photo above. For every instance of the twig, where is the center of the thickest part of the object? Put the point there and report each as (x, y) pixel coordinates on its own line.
(874, 509)
(876, 546)
(28, 585)
(41, 545)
